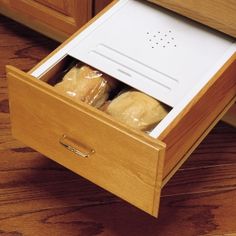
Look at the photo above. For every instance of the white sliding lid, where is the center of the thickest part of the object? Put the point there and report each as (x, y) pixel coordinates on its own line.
(151, 49)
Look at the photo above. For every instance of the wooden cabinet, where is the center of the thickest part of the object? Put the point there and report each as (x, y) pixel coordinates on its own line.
(57, 19)
(126, 162)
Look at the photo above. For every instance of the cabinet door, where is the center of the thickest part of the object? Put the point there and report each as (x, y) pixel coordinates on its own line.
(56, 18)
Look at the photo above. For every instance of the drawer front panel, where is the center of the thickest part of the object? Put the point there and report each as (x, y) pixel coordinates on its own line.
(127, 163)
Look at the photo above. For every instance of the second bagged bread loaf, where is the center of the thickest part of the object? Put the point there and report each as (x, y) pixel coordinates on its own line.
(137, 110)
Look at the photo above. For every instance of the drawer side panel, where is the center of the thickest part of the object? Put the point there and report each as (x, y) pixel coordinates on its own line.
(198, 116)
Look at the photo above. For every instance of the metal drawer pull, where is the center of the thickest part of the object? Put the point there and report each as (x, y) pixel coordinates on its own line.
(65, 141)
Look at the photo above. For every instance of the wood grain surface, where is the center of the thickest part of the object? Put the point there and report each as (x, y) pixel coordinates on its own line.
(40, 197)
(57, 19)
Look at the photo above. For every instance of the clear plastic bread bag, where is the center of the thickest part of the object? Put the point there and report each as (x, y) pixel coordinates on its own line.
(137, 110)
(86, 84)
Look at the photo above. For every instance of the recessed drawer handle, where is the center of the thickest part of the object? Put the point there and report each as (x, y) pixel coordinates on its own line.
(65, 142)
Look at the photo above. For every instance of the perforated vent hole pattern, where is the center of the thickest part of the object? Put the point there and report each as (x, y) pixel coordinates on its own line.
(160, 39)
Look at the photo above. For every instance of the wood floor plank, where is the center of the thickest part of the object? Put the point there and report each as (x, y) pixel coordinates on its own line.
(200, 214)
(23, 51)
(205, 179)
(219, 148)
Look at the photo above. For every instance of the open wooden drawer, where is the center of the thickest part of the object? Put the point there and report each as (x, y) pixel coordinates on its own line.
(131, 164)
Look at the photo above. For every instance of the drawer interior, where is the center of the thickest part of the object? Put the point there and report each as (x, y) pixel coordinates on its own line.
(57, 71)
(153, 50)
(188, 61)
(139, 120)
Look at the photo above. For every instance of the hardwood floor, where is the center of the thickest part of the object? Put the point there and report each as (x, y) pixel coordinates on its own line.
(39, 197)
